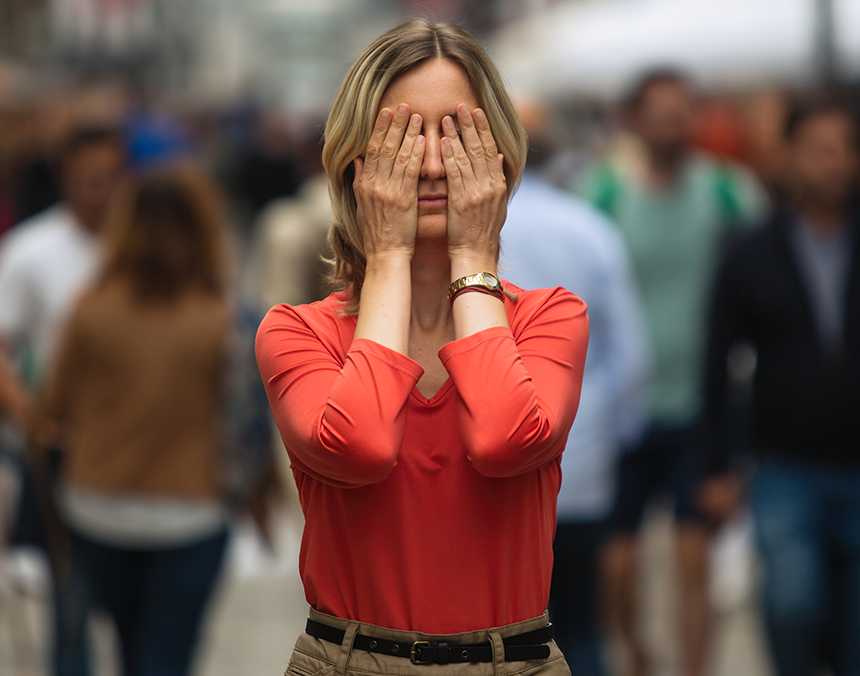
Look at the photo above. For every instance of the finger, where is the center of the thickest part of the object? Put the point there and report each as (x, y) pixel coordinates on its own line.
(360, 168)
(377, 137)
(458, 153)
(472, 143)
(413, 169)
(488, 143)
(453, 172)
(393, 140)
(405, 154)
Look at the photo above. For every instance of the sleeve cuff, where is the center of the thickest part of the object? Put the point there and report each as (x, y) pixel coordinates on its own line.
(458, 347)
(392, 358)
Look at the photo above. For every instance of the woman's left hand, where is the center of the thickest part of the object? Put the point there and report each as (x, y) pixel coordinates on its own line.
(477, 193)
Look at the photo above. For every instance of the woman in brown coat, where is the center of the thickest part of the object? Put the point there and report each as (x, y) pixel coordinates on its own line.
(136, 391)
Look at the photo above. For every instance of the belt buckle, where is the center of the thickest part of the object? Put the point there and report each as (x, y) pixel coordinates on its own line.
(416, 650)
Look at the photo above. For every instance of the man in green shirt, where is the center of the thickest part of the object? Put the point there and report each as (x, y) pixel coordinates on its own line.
(675, 208)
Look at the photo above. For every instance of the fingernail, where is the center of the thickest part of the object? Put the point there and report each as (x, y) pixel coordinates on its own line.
(420, 141)
(479, 115)
(401, 109)
(462, 109)
(416, 119)
(385, 115)
(447, 121)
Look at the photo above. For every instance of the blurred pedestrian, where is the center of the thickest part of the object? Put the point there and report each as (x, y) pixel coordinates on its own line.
(674, 207)
(35, 184)
(7, 203)
(287, 264)
(426, 406)
(45, 262)
(136, 392)
(267, 168)
(792, 291)
(552, 238)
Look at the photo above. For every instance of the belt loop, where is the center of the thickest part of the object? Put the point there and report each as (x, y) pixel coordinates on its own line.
(498, 654)
(346, 648)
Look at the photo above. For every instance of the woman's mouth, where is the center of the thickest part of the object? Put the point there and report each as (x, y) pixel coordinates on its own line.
(433, 200)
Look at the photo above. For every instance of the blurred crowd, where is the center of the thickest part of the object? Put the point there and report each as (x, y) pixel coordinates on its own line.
(713, 236)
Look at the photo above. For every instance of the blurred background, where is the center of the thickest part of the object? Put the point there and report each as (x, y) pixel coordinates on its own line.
(243, 84)
(243, 88)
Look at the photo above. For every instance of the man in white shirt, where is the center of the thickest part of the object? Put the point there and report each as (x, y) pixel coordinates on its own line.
(552, 238)
(45, 263)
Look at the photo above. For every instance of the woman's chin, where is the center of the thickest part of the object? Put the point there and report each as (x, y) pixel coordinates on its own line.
(432, 226)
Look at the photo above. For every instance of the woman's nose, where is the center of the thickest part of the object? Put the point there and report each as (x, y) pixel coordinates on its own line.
(432, 167)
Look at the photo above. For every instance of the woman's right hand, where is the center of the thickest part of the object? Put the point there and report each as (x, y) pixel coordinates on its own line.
(386, 184)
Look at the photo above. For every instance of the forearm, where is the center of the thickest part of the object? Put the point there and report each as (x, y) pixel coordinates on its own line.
(520, 393)
(505, 429)
(474, 312)
(341, 415)
(386, 299)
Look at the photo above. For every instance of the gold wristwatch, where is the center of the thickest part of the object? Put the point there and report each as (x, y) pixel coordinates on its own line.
(482, 281)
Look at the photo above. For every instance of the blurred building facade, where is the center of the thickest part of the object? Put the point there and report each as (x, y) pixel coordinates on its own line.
(289, 53)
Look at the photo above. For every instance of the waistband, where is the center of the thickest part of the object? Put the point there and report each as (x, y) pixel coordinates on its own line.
(531, 645)
(317, 657)
(476, 636)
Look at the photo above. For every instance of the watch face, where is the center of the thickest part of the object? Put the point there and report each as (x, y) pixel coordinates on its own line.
(491, 280)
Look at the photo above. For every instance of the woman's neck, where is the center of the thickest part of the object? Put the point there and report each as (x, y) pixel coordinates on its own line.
(431, 276)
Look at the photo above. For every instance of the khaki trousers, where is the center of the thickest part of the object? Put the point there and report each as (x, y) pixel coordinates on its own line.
(314, 657)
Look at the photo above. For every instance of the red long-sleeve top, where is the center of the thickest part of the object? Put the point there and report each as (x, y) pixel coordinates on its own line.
(433, 515)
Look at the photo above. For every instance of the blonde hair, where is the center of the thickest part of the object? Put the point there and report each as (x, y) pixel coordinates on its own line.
(353, 114)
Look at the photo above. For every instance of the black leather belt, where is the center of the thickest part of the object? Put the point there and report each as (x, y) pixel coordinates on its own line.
(518, 648)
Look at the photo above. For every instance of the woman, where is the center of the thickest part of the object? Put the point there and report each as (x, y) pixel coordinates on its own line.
(424, 422)
(136, 392)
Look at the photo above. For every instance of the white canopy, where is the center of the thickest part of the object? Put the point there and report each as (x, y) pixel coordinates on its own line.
(598, 46)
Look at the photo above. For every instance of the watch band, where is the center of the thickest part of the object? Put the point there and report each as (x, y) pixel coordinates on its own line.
(477, 289)
(481, 280)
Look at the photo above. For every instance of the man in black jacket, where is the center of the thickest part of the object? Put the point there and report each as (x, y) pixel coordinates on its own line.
(792, 291)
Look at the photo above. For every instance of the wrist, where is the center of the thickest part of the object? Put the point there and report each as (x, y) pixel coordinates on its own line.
(388, 261)
(471, 263)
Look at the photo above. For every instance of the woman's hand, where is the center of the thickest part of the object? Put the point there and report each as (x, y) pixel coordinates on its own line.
(477, 206)
(477, 194)
(386, 194)
(386, 184)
